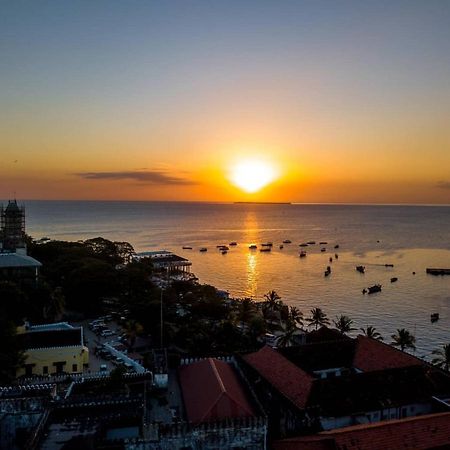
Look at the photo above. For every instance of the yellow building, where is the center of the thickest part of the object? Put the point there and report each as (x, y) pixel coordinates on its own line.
(52, 349)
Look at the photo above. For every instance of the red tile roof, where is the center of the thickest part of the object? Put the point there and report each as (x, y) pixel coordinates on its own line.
(293, 382)
(212, 392)
(371, 355)
(414, 433)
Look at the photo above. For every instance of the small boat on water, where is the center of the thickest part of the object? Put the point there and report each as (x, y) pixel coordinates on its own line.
(232, 244)
(328, 271)
(323, 249)
(331, 259)
(303, 245)
(361, 269)
(434, 317)
(336, 246)
(394, 279)
(336, 256)
(265, 249)
(323, 243)
(203, 249)
(267, 244)
(389, 265)
(302, 254)
(435, 271)
(373, 289)
(186, 247)
(223, 247)
(287, 241)
(224, 252)
(311, 242)
(253, 247)
(281, 247)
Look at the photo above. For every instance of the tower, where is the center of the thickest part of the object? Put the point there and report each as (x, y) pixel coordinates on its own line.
(12, 228)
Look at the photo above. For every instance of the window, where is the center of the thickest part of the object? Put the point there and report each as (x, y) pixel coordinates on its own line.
(74, 368)
(45, 370)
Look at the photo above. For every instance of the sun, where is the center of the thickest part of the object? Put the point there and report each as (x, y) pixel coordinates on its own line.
(251, 175)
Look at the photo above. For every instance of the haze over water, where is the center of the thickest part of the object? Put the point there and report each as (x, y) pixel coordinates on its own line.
(410, 237)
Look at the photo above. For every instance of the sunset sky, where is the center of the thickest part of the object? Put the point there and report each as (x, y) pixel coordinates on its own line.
(344, 101)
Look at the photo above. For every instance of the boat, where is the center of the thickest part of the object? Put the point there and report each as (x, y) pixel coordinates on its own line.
(323, 249)
(389, 265)
(311, 242)
(434, 317)
(281, 247)
(394, 279)
(265, 249)
(336, 246)
(328, 271)
(253, 247)
(267, 244)
(434, 271)
(302, 254)
(336, 256)
(331, 259)
(287, 241)
(374, 288)
(323, 243)
(203, 249)
(232, 244)
(223, 247)
(224, 252)
(360, 269)
(186, 247)
(303, 245)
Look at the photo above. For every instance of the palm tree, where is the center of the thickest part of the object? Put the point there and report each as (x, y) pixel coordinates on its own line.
(287, 338)
(344, 324)
(371, 332)
(246, 310)
(403, 339)
(442, 359)
(318, 318)
(296, 315)
(273, 300)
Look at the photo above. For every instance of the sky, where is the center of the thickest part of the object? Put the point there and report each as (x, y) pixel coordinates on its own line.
(345, 101)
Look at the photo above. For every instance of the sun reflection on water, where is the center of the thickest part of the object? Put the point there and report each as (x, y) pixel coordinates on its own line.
(251, 234)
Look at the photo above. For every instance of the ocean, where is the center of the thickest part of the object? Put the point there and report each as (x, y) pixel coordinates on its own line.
(411, 238)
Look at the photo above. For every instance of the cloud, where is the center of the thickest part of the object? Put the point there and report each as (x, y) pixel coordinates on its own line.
(443, 184)
(146, 177)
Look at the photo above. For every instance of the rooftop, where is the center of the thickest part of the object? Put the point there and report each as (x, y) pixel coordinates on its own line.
(51, 338)
(10, 260)
(418, 433)
(212, 391)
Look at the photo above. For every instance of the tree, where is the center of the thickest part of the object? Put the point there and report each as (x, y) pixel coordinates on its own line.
(246, 310)
(403, 339)
(11, 356)
(318, 318)
(442, 358)
(273, 300)
(344, 324)
(296, 315)
(371, 332)
(288, 337)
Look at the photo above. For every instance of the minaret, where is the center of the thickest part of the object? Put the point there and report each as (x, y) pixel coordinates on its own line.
(12, 228)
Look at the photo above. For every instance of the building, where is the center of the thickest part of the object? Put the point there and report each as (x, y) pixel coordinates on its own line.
(325, 386)
(166, 261)
(52, 349)
(14, 262)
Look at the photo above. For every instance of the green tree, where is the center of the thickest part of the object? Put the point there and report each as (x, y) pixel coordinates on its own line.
(344, 324)
(442, 357)
(318, 318)
(403, 339)
(287, 337)
(371, 332)
(296, 315)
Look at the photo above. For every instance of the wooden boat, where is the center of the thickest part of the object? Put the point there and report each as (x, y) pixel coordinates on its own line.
(223, 247)
(373, 289)
(323, 249)
(389, 265)
(265, 249)
(303, 245)
(328, 271)
(323, 243)
(253, 247)
(287, 241)
(394, 279)
(232, 244)
(302, 254)
(203, 249)
(434, 317)
(281, 247)
(434, 271)
(336, 246)
(224, 252)
(336, 256)
(267, 244)
(360, 269)
(311, 242)
(186, 247)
